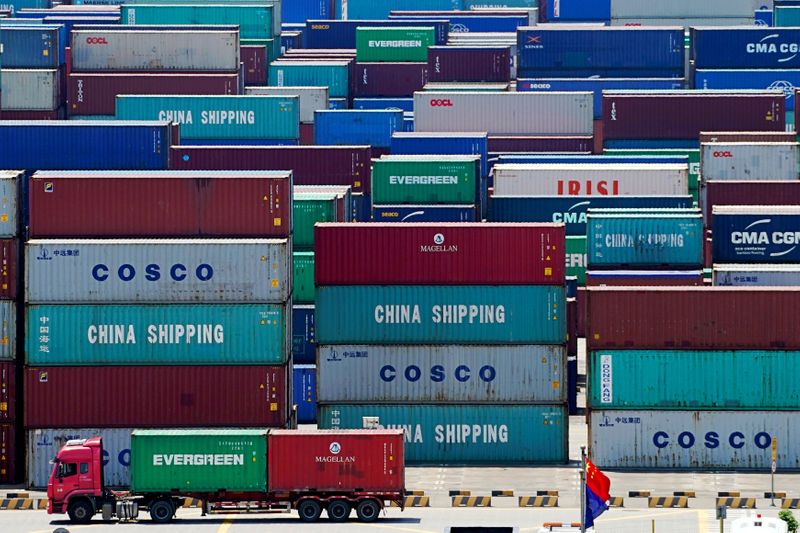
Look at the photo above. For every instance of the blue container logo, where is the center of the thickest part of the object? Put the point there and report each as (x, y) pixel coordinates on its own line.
(152, 272)
(712, 440)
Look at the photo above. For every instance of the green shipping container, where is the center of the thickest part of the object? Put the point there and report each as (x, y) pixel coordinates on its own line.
(276, 13)
(255, 22)
(335, 75)
(411, 179)
(452, 314)
(219, 117)
(194, 334)
(303, 278)
(199, 460)
(394, 45)
(692, 153)
(576, 258)
(464, 433)
(307, 210)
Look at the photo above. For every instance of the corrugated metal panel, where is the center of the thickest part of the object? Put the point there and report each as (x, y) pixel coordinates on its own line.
(509, 314)
(424, 213)
(380, 9)
(311, 98)
(576, 258)
(748, 136)
(8, 389)
(331, 34)
(276, 13)
(745, 47)
(255, 22)
(685, 379)
(686, 8)
(410, 143)
(33, 47)
(30, 90)
(504, 113)
(158, 334)
(645, 278)
(354, 127)
(590, 180)
(81, 271)
(304, 391)
(466, 434)
(748, 193)
(307, 210)
(719, 318)
(8, 454)
(442, 374)
(303, 278)
(644, 240)
(8, 332)
(394, 44)
(389, 79)
(757, 275)
(304, 334)
(750, 161)
(440, 179)
(693, 154)
(9, 186)
(456, 63)
(118, 49)
(756, 234)
(785, 80)
(693, 440)
(177, 396)
(332, 74)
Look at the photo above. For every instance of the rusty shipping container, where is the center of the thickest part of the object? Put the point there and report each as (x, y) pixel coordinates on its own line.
(436, 254)
(718, 318)
(165, 396)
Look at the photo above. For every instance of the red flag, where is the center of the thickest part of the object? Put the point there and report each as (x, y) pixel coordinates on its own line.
(597, 481)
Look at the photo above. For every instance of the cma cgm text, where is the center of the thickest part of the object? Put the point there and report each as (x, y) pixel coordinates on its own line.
(763, 237)
(441, 314)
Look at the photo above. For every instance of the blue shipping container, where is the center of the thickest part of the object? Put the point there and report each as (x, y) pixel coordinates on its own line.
(40, 46)
(303, 10)
(572, 211)
(362, 207)
(290, 41)
(337, 103)
(16, 5)
(575, 11)
(425, 213)
(745, 47)
(602, 51)
(785, 80)
(424, 143)
(476, 24)
(69, 21)
(403, 104)
(304, 391)
(304, 342)
(357, 127)
(379, 9)
(342, 33)
(104, 145)
(756, 235)
(764, 17)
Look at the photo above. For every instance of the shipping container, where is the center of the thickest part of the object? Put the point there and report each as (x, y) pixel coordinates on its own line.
(425, 213)
(716, 9)
(471, 64)
(331, 34)
(538, 144)
(299, 11)
(30, 90)
(782, 79)
(160, 204)
(747, 136)
(147, 271)
(304, 389)
(744, 47)
(152, 49)
(334, 74)
(455, 143)
(8, 454)
(693, 440)
(756, 234)
(218, 117)
(310, 208)
(310, 165)
(498, 113)
(576, 259)
(276, 13)
(311, 98)
(693, 155)
(718, 318)
(466, 434)
(304, 341)
(10, 183)
(749, 161)
(436, 179)
(9, 286)
(403, 104)
(301, 461)
(574, 11)
(33, 47)
(389, 79)
(754, 275)
(95, 93)
(472, 21)
(303, 278)
(380, 9)
(254, 21)
(349, 127)
(644, 278)
(8, 370)
(442, 374)
(447, 254)
(398, 44)
(177, 396)
(748, 193)
(255, 61)
(506, 314)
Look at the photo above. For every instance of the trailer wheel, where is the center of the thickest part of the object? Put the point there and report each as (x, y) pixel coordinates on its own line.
(161, 511)
(309, 510)
(80, 511)
(338, 510)
(368, 510)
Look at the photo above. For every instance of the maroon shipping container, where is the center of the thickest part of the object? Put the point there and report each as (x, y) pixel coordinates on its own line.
(8, 392)
(306, 134)
(95, 93)
(624, 278)
(8, 455)
(150, 396)
(56, 114)
(8, 269)
(598, 137)
(683, 115)
(336, 460)
(572, 327)
(439, 254)
(581, 299)
(747, 136)
(389, 79)
(255, 62)
(699, 318)
(160, 204)
(311, 165)
(720, 192)
(469, 64)
(583, 145)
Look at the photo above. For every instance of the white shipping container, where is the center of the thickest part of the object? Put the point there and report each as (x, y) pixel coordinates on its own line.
(505, 113)
(742, 275)
(311, 98)
(150, 271)
(694, 440)
(8, 202)
(8, 330)
(712, 9)
(30, 90)
(686, 22)
(446, 374)
(749, 161)
(120, 50)
(568, 179)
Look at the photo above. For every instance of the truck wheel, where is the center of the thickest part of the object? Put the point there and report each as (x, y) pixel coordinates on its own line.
(338, 510)
(309, 510)
(161, 511)
(368, 510)
(80, 512)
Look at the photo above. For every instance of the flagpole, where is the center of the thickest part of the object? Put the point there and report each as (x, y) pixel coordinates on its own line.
(583, 489)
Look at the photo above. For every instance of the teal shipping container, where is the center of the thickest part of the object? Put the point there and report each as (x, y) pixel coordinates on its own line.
(335, 75)
(235, 334)
(219, 117)
(616, 238)
(455, 314)
(303, 277)
(690, 379)
(464, 433)
(254, 21)
(276, 13)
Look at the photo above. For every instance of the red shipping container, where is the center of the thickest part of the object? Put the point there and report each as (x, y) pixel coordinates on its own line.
(723, 192)
(439, 254)
(156, 396)
(389, 79)
(697, 318)
(622, 278)
(95, 93)
(8, 454)
(255, 63)
(310, 165)
(683, 115)
(572, 327)
(747, 136)
(598, 137)
(583, 145)
(581, 299)
(306, 134)
(160, 204)
(8, 269)
(8, 392)
(469, 64)
(56, 114)
(336, 460)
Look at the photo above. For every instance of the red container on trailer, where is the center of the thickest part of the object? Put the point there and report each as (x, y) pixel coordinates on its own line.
(693, 318)
(160, 204)
(255, 62)
(439, 254)
(156, 396)
(723, 192)
(8, 455)
(541, 144)
(469, 64)
(8, 392)
(337, 460)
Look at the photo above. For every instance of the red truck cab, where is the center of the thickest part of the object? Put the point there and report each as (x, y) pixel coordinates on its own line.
(76, 482)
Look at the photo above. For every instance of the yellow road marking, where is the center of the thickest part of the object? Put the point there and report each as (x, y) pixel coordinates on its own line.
(702, 522)
(225, 525)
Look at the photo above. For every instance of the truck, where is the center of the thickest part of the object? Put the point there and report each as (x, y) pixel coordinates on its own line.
(308, 471)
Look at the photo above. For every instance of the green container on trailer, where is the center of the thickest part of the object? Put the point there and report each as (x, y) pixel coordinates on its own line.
(693, 154)
(425, 179)
(254, 21)
(199, 460)
(335, 75)
(303, 278)
(307, 210)
(576, 258)
(218, 117)
(395, 45)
